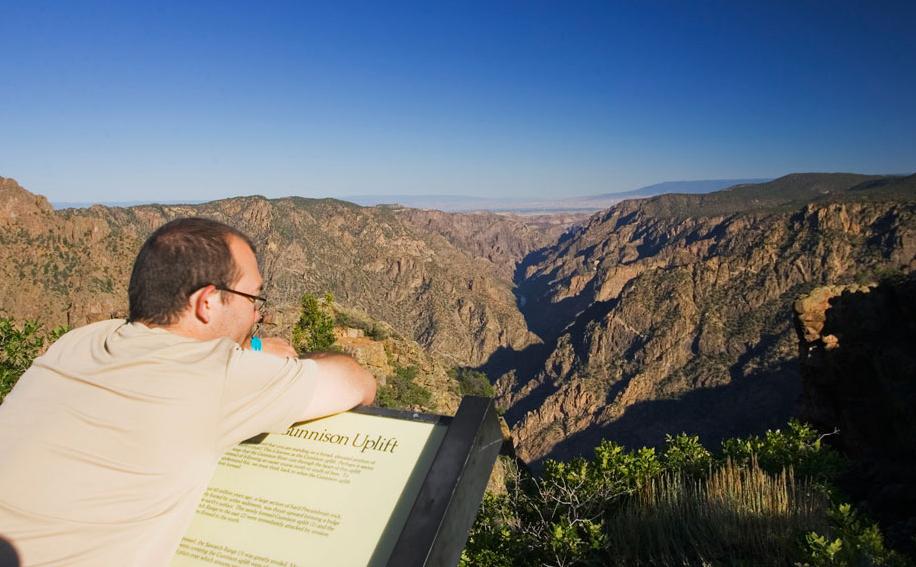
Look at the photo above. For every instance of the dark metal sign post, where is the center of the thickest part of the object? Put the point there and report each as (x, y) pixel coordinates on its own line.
(444, 510)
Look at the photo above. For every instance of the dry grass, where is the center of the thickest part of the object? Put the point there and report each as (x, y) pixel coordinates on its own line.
(738, 515)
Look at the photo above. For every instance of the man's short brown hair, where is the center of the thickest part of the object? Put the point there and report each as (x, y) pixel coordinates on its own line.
(176, 260)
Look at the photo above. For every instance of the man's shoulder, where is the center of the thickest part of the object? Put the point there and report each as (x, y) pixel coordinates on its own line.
(105, 327)
(115, 339)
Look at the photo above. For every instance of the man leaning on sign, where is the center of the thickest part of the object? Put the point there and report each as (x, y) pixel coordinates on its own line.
(108, 441)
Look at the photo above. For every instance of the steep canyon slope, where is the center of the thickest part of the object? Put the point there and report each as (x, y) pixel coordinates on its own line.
(674, 313)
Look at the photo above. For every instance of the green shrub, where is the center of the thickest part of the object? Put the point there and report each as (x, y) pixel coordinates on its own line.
(559, 517)
(377, 332)
(19, 345)
(314, 331)
(401, 392)
(765, 501)
(849, 540)
(472, 382)
(685, 454)
(799, 446)
(491, 542)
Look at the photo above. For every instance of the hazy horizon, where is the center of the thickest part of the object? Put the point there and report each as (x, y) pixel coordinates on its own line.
(466, 203)
(174, 101)
(375, 197)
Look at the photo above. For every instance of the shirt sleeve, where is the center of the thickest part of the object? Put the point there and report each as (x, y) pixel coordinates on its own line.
(263, 393)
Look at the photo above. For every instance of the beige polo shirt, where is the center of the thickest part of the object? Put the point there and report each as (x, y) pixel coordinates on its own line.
(108, 441)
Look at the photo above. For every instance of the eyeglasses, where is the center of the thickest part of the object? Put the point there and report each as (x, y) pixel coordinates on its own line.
(256, 299)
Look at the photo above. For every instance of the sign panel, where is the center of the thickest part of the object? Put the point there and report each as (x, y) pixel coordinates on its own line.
(334, 491)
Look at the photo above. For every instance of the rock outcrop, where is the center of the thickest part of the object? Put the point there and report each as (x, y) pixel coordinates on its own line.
(858, 365)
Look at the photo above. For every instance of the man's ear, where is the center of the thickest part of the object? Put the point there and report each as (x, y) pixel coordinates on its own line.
(203, 301)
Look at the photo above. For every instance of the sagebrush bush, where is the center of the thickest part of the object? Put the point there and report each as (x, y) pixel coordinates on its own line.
(19, 345)
(401, 392)
(799, 446)
(472, 382)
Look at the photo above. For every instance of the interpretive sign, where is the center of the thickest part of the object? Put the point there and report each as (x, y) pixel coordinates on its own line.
(366, 487)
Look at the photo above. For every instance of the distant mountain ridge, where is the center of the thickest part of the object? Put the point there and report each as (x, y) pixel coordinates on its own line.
(465, 203)
(691, 187)
(587, 203)
(87, 204)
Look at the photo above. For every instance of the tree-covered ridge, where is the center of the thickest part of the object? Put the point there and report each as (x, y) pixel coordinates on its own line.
(782, 194)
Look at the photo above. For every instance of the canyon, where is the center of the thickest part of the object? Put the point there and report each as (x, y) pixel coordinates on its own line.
(654, 316)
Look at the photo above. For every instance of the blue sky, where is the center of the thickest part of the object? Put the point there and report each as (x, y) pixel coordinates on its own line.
(112, 101)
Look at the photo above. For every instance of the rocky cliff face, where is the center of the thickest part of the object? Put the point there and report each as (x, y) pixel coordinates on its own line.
(660, 319)
(502, 241)
(859, 377)
(72, 266)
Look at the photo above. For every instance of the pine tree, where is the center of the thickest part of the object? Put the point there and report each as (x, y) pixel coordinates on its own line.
(314, 331)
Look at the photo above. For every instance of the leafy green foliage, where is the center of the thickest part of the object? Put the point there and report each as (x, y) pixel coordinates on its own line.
(852, 541)
(472, 382)
(764, 500)
(19, 345)
(799, 446)
(685, 454)
(559, 518)
(401, 392)
(314, 331)
(492, 542)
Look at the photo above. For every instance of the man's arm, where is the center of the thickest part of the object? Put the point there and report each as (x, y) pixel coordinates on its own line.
(276, 346)
(341, 385)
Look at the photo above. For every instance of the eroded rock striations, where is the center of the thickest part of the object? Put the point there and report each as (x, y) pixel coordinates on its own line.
(858, 370)
(674, 313)
(501, 240)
